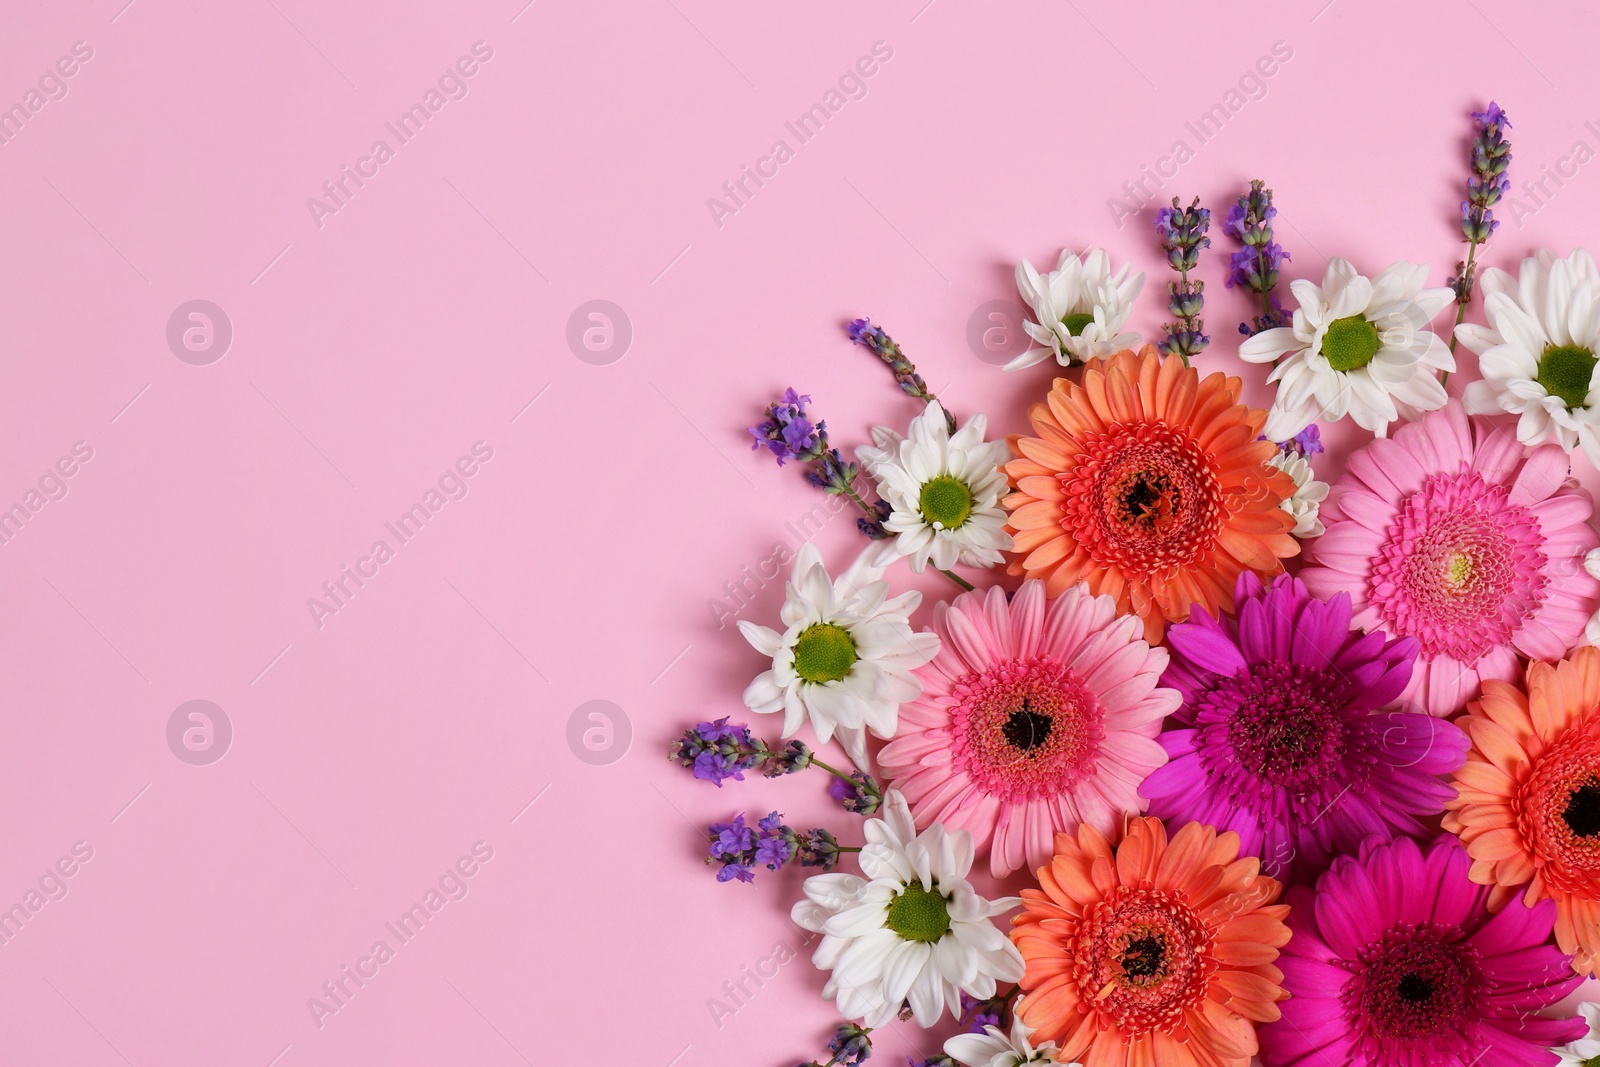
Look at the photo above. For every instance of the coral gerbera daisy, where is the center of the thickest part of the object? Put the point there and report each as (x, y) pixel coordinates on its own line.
(845, 656)
(943, 490)
(1035, 716)
(1453, 533)
(1152, 952)
(913, 931)
(1150, 484)
(1528, 808)
(1282, 740)
(1397, 960)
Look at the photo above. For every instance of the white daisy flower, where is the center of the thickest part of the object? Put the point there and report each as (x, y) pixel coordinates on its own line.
(912, 931)
(846, 655)
(1358, 347)
(1538, 353)
(994, 1048)
(1587, 1048)
(1591, 563)
(1308, 493)
(1080, 306)
(945, 490)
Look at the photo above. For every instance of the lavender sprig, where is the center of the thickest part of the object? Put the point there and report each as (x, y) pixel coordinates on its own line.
(872, 338)
(788, 433)
(1183, 235)
(716, 752)
(1491, 156)
(850, 1047)
(1256, 266)
(740, 848)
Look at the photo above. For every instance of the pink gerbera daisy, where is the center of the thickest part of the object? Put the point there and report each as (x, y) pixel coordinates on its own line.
(1036, 715)
(1456, 535)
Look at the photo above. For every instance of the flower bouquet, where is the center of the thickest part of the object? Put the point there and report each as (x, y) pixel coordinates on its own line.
(1286, 762)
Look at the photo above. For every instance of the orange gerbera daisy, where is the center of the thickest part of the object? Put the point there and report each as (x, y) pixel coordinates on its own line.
(1151, 953)
(1149, 484)
(1528, 797)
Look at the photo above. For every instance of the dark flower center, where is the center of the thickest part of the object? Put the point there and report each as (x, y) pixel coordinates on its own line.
(1565, 372)
(1149, 500)
(1350, 343)
(1415, 989)
(1415, 982)
(1582, 814)
(1143, 957)
(1025, 729)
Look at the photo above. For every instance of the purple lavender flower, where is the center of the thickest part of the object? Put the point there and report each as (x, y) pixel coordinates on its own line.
(1183, 235)
(1486, 184)
(860, 795)
(787, 433)
(1257, 265)
(850, 1045)
(738, 847)
(716, 751)
(1308, 442)
(872, 338)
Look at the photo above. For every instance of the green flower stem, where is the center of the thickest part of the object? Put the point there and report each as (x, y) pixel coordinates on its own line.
(815, 762)
(1463, 299)
(870, 511)
(954, 577)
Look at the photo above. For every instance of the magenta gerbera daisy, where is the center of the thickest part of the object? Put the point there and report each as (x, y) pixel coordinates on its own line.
(1282, 738)
(1396, 961)
(1455, 534)
(1036, 715)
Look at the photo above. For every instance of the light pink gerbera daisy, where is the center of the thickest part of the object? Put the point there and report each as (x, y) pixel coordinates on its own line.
(1036, 715)
(1453, 533)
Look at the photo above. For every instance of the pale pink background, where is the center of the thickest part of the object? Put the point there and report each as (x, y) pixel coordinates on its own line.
(426, 315)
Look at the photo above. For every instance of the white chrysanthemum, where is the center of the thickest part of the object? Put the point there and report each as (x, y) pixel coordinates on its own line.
(1586, 1048)
(1308, 493)
(846, 655)
(1358, 347)
(945, 490)
(994, 1048)
(1538, 353)
(1080, 308)
(912, 931)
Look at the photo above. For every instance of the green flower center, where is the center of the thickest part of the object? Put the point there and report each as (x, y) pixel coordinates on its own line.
(1076, 322)
(1564, 371)
(1350, 343)
(1592, 1061)
(919, 914)
(1459, 570)
(946, 502)
(824, 653)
